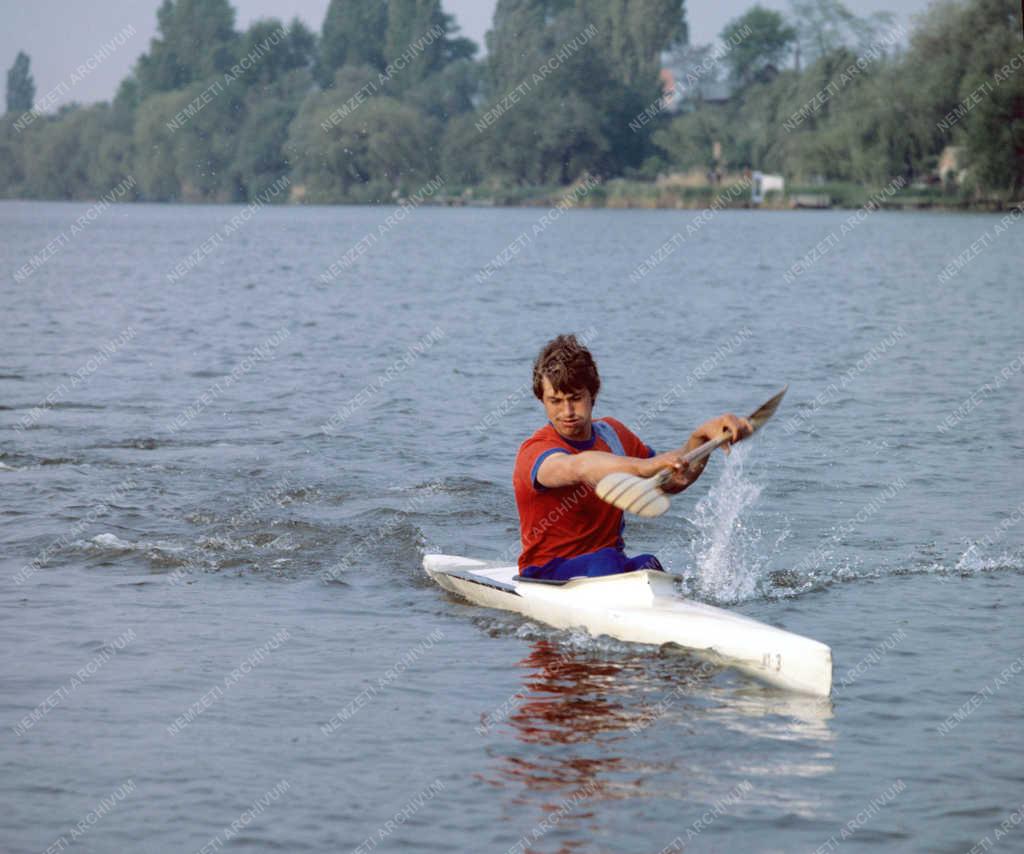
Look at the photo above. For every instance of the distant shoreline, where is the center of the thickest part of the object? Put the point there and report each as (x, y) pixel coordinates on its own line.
(635, 196)
(624, 194)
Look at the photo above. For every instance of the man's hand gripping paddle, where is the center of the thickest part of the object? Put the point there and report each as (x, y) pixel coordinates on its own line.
(643, 496)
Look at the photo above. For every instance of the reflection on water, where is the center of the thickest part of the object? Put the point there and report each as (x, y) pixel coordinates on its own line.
(568, 697)
(580, 733)
(779, 715)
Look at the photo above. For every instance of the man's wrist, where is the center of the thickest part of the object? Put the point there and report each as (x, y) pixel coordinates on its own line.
(646, 467)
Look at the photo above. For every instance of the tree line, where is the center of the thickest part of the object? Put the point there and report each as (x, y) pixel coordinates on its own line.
(388, 97)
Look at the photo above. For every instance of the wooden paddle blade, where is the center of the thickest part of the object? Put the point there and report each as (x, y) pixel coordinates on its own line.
(766, 410)
(638, 495)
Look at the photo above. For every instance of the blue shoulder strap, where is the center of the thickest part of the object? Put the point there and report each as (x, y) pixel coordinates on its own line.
(610, 437)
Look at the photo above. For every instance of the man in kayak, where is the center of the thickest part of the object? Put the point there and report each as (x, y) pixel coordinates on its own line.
(565, 529)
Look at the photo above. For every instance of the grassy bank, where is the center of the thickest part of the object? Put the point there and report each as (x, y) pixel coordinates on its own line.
(620, 193)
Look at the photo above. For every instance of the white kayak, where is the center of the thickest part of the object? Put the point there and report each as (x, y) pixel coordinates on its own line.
(643, 607)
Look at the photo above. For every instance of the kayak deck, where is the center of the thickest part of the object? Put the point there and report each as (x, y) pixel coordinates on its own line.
(643, 607)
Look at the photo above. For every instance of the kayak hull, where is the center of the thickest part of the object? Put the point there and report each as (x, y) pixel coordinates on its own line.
(643, 607)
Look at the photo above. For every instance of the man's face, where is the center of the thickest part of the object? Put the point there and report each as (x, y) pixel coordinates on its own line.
(568, 411)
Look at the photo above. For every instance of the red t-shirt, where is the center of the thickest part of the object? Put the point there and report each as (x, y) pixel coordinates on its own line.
(569, 520)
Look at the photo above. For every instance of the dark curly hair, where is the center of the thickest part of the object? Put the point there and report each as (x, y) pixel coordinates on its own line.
(568, 365)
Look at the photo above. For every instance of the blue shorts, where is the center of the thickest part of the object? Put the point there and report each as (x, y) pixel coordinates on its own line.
(609, 561)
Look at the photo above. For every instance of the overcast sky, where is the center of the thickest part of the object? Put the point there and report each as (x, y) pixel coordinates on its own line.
(59, 35)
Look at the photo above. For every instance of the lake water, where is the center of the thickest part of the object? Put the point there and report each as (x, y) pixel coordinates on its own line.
(221, 467)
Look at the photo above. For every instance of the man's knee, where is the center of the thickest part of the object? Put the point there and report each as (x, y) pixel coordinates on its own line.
(645, 562)
(606, 562)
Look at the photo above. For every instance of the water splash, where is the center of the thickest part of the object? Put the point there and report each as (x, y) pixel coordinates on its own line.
(973, 561)
(110, 542)
(727, 561)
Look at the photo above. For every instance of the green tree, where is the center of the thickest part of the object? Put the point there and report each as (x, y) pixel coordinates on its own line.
(261, 159)
(464, 152)
(191, 159)
(635, 32)
(448, 93)
(353, 33)
(557, 62)
(125, 103)
(456, 47)
(155, 160)
(379, 148)
(21, 88)
(757, 39)
(624, 68)
(205, 147)
(532, 112)
(93, 157)
(993, 129)
(564, 144)
(824, 26)
(196, 39)
(13, 146)
(409, 22)
(114, 160)
(278, 50)
(934, 69)
(757, 125)
(688, 141)
(816, 143)
(511, 57)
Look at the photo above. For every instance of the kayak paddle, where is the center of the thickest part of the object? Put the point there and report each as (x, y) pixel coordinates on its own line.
(643, 496)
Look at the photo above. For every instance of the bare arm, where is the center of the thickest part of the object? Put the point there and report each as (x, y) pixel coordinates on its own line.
(590, 466)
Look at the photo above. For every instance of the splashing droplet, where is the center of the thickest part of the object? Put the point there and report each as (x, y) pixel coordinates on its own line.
(727, 562)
